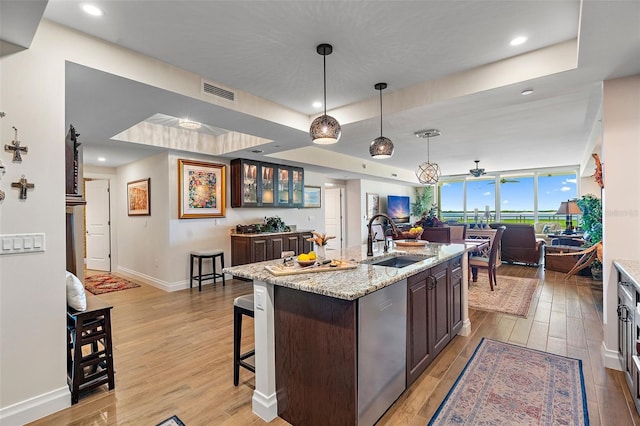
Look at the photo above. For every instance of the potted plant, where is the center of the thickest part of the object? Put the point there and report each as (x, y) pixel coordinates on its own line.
(274, 224)
(591, 223)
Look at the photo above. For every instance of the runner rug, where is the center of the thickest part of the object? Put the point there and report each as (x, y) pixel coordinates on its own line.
(512, 295)
(504, 384)
(106, 283)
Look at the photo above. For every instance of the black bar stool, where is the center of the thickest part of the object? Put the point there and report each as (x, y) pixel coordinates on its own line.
(199, 256)
(242, 305)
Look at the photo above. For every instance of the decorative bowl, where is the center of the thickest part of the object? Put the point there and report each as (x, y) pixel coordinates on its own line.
(305, 263)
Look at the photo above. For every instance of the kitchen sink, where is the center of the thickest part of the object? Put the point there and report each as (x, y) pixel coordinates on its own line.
(397, 261)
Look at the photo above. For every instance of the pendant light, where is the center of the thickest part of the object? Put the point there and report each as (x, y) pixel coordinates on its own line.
(428, 173)
(325, 130)
(381, 147)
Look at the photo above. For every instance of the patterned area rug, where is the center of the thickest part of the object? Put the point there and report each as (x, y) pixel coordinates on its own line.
(106, 283)
(511, 296)
(504, 384)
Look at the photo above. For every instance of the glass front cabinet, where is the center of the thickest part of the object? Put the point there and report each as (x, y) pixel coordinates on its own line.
(259, 184)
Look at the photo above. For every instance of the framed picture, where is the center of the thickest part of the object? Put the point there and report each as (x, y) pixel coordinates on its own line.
(139, 197)
(373, 205)
(201, 189)
(311, 197)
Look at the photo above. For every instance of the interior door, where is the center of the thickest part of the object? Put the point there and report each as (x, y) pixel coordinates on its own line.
(98, 227)
(333, 217)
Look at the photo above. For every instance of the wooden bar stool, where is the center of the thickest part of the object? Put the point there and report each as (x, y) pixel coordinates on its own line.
(91, 330)
(199, 256)
(242, 305)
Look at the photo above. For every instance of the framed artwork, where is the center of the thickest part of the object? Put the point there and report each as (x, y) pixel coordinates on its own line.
(373, 205)
(139, 197)
(201, 189)
(311, 198)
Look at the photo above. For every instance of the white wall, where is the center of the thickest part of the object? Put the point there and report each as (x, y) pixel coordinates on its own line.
(621, 194)
(32, 286)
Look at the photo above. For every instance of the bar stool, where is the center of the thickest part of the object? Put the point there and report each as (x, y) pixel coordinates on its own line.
(90, 329)
(200, 256)
(242, 305)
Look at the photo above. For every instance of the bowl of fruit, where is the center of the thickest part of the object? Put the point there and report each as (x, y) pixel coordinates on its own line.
(413, 233)
(306, 259)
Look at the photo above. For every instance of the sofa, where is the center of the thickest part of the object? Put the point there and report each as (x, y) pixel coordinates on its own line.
(542, 229)
(519, 244)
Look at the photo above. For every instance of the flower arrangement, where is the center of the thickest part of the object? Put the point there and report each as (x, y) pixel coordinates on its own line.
(430, 220)
(320, 239)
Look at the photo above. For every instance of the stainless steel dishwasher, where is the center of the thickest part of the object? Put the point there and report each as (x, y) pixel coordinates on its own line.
(382, 348)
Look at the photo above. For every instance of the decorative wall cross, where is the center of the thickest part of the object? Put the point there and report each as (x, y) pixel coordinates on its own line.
(16, 148)
(23, 185)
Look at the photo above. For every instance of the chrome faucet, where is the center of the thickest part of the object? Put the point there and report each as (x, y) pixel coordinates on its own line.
(395, 229)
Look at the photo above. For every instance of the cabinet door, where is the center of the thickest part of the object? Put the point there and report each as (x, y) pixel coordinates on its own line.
(244, 183)
(439, 307)
(292, 243)
(455, 285)
(305, 245)
(277, 246)
(283, 186)
(267, 185)
(297, 179)
(240, 251)
(260, 249)
(419, 336)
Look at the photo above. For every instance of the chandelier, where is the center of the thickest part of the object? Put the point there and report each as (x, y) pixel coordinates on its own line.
(428, 173)
(325, 129)
(381, 147)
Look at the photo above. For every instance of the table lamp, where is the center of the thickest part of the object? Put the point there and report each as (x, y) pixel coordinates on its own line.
(569, 208)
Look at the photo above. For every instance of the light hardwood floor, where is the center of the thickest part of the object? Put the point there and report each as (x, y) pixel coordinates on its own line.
(173, 355)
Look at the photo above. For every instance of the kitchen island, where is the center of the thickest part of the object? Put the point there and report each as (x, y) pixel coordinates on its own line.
(340, 347)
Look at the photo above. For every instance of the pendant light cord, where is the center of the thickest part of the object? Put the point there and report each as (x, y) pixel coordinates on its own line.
(428, 160)
(380, 112)
(324, 67)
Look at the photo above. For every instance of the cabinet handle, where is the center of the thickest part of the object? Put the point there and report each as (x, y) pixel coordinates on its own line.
(433, 282)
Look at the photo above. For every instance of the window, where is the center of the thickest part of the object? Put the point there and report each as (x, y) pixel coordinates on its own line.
(481, 200)
(517, 199)
(553, 189)
(450, 201)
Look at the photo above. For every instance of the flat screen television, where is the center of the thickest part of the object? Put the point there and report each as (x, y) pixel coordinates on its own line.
(398, 208)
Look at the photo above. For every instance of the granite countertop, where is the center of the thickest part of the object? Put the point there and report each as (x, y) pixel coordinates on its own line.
(353, 283)
(631, 268)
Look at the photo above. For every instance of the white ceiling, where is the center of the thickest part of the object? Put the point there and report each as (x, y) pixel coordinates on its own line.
(448, 65)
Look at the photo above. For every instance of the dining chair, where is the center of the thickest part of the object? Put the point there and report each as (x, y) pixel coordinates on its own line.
(436, 234)
(488, 263)
(458, 232)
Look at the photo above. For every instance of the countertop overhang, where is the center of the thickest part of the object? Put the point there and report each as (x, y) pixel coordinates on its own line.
(354, 283)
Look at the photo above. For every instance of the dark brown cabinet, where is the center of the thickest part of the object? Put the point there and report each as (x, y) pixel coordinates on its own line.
(251, 248)
(260, 184)
(434, 314)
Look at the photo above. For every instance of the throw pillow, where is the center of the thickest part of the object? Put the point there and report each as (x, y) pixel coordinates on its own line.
(76, 297)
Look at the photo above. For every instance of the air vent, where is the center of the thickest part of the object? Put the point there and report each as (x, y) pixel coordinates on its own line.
(214, 90)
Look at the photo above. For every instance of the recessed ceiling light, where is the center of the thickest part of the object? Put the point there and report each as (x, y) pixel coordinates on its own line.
(92, 10)
(526, 92)
(102, 159)
(189, 124)
(317, 104)
(518, 41)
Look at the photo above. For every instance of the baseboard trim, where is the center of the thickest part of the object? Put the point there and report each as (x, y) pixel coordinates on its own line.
(35, 408)
(162, 285)
(610, 359)
(265, 407)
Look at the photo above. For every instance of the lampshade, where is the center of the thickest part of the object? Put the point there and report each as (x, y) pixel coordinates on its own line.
(569, 207)
(325, 130)
(381, 147)
(428, 173)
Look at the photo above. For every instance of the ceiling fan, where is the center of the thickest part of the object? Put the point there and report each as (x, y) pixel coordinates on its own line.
(477, 172)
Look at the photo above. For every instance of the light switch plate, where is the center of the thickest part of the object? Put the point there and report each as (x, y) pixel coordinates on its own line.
(22, 243)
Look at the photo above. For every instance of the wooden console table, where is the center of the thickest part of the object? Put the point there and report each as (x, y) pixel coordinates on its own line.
(90, 329)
